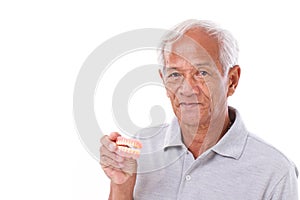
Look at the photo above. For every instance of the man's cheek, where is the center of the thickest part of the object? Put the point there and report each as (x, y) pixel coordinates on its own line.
(171, 95)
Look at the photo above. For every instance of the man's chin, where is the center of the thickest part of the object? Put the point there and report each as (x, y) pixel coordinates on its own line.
(194, 118)
(193, 122)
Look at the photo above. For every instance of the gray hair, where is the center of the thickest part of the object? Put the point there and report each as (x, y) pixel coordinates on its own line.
(228, 46)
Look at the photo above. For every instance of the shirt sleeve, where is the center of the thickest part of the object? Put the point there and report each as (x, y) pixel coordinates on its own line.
(287, 187)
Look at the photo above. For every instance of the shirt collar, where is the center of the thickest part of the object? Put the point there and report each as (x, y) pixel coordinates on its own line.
(173, 135)
(231, 145)
(233, 142)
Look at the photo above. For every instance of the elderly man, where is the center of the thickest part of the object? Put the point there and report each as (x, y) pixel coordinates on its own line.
(205, 152)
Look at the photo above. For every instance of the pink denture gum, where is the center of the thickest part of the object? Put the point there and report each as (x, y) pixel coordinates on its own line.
(129, 146)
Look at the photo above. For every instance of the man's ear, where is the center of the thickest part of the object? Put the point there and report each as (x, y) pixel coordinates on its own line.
(233, 79)
(163, 80)
(161, 75)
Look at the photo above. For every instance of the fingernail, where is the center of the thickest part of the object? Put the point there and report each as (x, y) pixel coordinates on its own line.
(112, 146)
(119, 159)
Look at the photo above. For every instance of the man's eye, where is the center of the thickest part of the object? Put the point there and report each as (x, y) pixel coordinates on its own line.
(202, 73)
(174, 75)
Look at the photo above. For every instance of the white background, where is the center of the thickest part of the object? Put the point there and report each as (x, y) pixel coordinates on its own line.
(43, 45)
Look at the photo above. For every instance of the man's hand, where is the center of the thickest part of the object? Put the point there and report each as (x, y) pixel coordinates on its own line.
(117, 166)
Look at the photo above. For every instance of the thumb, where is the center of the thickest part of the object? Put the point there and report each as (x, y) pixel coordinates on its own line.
(113, 136)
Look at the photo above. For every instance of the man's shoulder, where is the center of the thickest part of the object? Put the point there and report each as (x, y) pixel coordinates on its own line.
(266, 155)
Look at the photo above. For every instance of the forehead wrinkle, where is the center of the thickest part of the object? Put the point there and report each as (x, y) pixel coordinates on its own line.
(179, 62)
(187, 70)
(194, 58)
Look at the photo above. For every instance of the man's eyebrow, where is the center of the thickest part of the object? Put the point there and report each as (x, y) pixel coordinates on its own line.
(197, 65)
(202, 64)
(171, 68)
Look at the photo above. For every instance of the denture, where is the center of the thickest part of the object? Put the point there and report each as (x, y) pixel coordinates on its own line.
(129, 146)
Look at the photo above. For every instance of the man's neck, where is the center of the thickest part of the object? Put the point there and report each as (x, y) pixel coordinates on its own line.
(198, 139)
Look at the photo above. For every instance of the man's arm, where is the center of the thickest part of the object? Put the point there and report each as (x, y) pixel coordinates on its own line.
(122, 191)
(287, 187)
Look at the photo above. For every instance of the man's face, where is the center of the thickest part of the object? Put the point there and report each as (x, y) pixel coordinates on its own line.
(194, 79)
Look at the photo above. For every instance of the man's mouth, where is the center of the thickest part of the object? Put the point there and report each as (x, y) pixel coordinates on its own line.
(189, 104)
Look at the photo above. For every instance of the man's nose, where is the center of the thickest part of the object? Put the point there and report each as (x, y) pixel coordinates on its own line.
(189, 87)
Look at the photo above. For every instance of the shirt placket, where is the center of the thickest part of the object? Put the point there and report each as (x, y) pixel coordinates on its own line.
(186, 176)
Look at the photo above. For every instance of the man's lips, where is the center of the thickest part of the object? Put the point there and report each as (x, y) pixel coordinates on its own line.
(189, 104)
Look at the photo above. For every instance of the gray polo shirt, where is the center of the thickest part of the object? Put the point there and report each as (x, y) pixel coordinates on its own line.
(239, 167)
